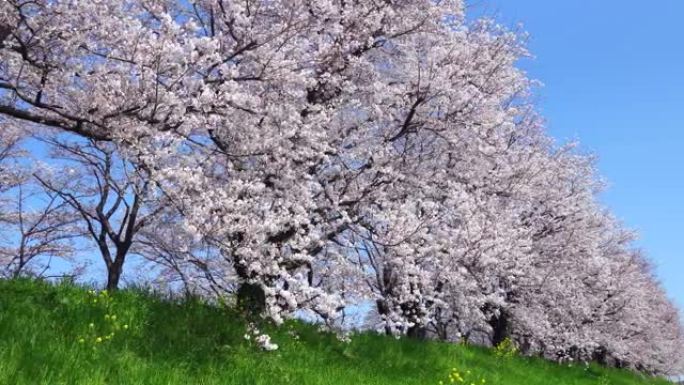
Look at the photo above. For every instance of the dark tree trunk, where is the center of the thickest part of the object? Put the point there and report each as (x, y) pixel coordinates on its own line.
(113, 277)
(383, 310)
(251, 298)
(499, 326)
(5, 31)
(600, 356)
(418, 332)
(442, 330)
(114, 271)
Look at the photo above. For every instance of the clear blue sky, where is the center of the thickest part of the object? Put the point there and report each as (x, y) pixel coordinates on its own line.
(613, 74)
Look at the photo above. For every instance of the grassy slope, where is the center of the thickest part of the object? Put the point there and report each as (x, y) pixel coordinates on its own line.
(192, 343)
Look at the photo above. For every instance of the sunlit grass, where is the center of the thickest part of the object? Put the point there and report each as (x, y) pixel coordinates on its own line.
(46, 337)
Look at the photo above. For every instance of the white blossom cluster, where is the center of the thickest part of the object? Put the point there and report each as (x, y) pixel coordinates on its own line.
(11, 174)
(261, 339)
(335, 152)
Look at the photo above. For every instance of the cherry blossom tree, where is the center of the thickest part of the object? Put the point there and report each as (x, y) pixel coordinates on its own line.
(36, 229)
(326, 153)
(111, 199)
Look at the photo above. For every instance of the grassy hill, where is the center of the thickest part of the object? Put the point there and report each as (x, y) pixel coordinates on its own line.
(69, 335)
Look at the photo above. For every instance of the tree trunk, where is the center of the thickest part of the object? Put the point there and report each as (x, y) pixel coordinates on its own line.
(5, 31)
(499, 326)
(600, 356)
(113, 277)
(418, 332)
(442, 330)
(252, 299)
(383, 311)
(114, 273)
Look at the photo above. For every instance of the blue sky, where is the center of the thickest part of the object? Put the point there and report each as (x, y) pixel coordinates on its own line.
(613, 74)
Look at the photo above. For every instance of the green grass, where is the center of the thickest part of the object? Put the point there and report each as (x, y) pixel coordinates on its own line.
(192, 343)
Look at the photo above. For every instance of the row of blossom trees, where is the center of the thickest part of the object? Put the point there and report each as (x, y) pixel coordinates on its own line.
(315, 155)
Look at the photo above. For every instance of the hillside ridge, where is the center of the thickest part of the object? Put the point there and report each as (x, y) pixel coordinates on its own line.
(66, 334)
